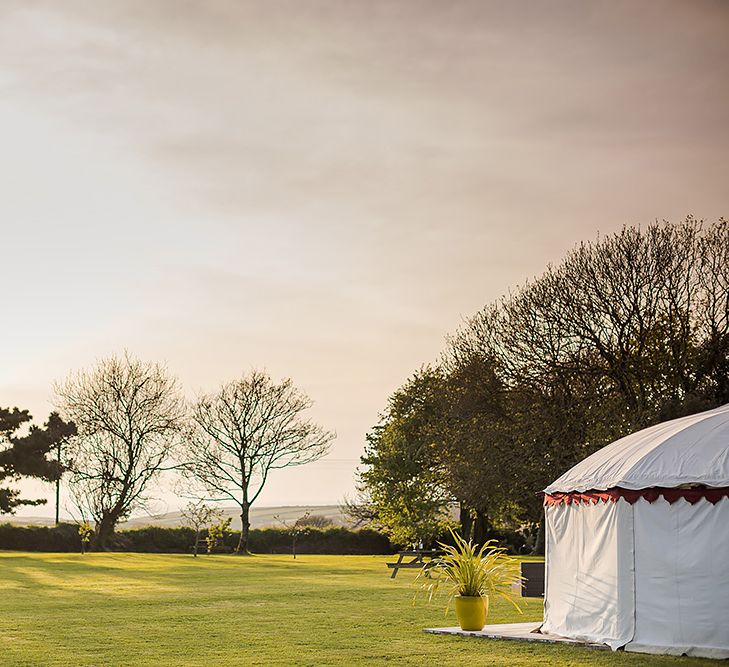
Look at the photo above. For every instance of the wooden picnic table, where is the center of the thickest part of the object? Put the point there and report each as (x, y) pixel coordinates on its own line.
(418, 557)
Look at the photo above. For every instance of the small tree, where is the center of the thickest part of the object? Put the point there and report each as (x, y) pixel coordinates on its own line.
(246, 430)
(294, 528)
(217, 534)
(85, 531)
(198, 516)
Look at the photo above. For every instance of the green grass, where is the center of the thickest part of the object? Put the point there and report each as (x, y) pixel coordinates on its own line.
(158, 610)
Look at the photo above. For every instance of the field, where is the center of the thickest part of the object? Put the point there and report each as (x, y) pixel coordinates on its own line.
(158, 610)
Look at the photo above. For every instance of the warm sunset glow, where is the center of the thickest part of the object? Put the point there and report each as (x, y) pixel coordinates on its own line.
(324, 189)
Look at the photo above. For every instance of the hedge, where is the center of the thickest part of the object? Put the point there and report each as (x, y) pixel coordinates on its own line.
(332, 540)
(154, 539)
(63, 537)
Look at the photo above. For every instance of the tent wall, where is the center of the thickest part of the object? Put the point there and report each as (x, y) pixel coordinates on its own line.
(653, 577)
(681, 578)
(589, 551)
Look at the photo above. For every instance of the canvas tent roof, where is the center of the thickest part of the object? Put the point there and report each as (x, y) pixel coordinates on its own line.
(688, 450)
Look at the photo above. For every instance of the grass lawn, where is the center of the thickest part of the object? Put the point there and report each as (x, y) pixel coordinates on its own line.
(157, 610)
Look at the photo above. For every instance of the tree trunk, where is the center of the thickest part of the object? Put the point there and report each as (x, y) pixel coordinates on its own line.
(466, 521)
(197, 543)
(104, 530)
(539, 543)
(245, 527)
(481, 528)
(58, 481)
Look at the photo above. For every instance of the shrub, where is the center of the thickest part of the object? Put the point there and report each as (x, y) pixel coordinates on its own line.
(466, 570)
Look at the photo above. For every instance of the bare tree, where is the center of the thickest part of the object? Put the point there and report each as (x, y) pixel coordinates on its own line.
(314, 521)
(129, 414)
(359, 511)
(294, 528)
(198, 516)
(249, 428)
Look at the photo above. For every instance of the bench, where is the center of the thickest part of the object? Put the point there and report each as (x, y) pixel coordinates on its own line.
(418, 561)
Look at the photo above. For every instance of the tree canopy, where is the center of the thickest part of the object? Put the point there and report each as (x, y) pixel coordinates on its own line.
(27, 455)
(626, 331)
(402, 489)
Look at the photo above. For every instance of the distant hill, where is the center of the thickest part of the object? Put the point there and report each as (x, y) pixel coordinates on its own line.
(261, 517)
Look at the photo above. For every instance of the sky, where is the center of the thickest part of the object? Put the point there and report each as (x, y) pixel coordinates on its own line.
(325, 189)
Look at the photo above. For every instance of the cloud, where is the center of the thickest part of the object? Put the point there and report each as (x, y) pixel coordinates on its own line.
(325, 188)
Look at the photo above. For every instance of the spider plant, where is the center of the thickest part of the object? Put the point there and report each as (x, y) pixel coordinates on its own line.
(468, 571)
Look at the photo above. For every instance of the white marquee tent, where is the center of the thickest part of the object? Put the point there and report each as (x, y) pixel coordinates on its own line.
(637, 540)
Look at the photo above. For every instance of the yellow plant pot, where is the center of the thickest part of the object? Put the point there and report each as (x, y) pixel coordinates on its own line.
(472, 612)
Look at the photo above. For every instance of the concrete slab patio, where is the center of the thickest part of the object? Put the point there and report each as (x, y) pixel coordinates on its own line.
(525, 632)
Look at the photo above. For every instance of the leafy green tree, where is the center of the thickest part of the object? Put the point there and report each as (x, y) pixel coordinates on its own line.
(626, 331)
(404, 487)
(28, 455)
(85, 533)
(217, 534)
(484, 466)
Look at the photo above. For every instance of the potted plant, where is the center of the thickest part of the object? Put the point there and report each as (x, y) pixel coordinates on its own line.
(470, 576)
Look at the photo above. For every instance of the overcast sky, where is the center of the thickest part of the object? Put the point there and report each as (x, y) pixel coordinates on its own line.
(324, 189)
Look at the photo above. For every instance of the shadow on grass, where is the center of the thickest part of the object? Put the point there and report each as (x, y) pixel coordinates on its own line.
(141, 576)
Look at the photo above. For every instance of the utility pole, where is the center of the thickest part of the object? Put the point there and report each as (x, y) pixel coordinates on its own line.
(58, 481)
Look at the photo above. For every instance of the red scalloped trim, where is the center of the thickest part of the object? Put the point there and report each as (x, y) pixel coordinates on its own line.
(693, 495)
